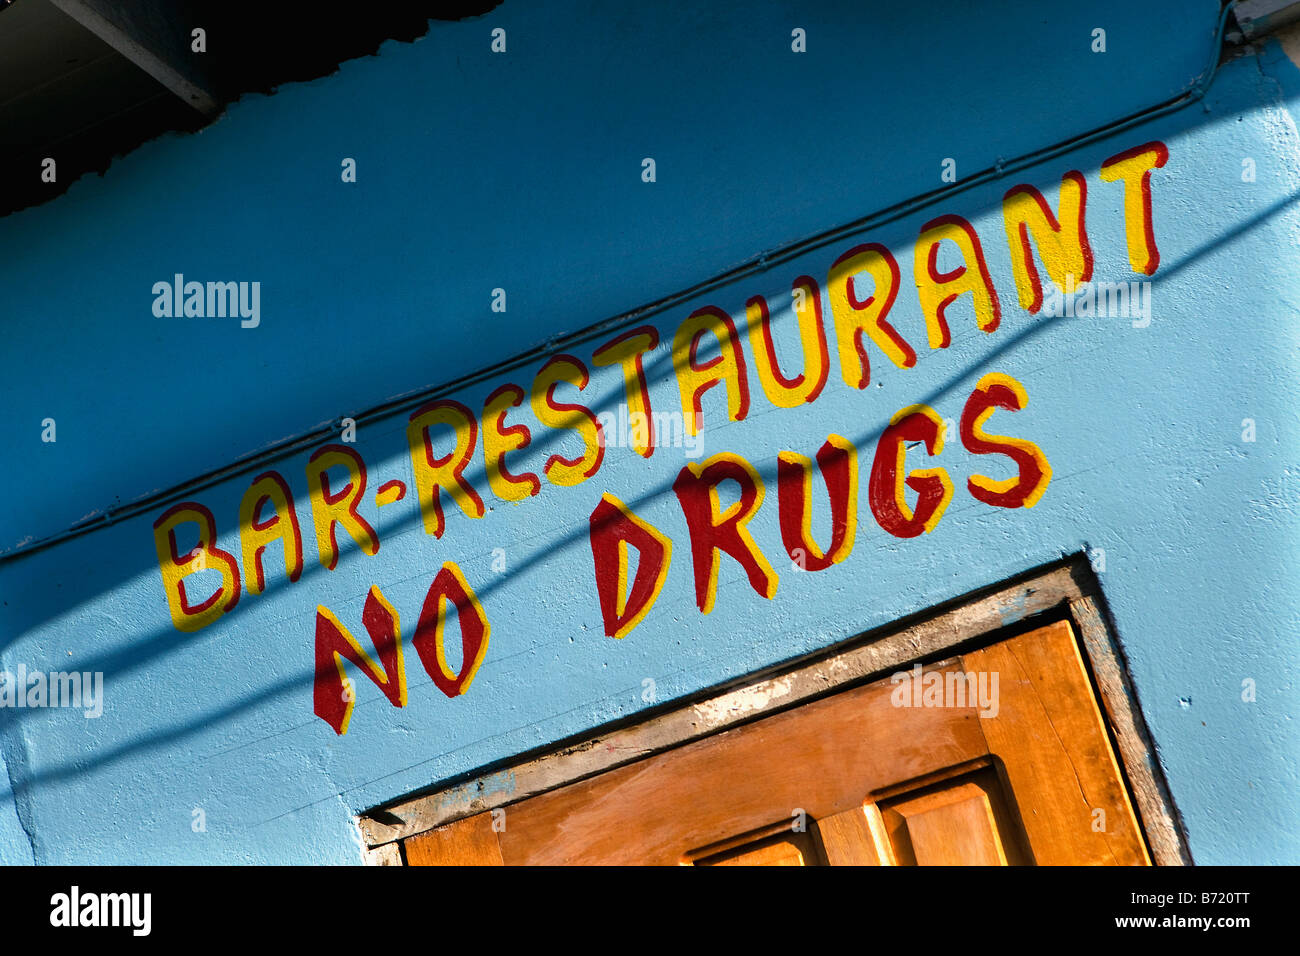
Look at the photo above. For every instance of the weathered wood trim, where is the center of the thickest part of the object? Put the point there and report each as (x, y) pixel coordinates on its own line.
(1160, 820)
(155, 54)
(1068, 588)
(386, 854)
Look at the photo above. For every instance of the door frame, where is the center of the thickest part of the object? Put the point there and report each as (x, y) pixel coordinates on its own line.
(1067, 590)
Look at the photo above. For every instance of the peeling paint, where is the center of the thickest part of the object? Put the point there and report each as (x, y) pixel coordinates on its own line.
(737, 704)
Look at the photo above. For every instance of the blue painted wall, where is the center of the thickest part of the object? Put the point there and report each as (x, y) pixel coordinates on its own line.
(522, 171)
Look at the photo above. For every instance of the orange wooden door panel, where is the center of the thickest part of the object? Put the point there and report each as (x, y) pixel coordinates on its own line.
(784, 848)
(851, 779)
(1053, 743)
(808, 763)
(467, 842)
(966, 820)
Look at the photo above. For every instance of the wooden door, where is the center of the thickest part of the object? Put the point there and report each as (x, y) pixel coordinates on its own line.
(935, 768)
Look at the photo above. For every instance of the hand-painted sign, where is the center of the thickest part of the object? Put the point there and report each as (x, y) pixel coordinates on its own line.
(445, 436)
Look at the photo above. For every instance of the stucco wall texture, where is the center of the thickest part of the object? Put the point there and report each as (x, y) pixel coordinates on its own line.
(522, 171)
